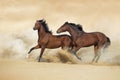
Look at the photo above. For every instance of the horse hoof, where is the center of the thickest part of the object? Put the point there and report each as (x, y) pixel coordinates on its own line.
(42, 60)
(39, 60)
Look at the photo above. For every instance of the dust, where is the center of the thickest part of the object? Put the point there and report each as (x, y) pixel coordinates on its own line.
(17, 19)
(62, 56)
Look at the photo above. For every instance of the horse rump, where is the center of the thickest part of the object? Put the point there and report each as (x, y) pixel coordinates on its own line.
(107, 43)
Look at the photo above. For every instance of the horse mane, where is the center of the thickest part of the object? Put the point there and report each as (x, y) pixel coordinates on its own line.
(76, 26)
(45, 25)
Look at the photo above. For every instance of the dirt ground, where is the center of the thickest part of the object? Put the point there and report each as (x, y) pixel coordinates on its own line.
(25, 70)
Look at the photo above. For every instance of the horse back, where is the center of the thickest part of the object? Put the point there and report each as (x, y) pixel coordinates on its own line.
(93, 38)
(102, 38)
(57, 40)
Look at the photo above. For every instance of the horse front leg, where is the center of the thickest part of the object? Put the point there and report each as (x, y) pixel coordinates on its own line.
(74, 51)
(36, 47)
(42, 50)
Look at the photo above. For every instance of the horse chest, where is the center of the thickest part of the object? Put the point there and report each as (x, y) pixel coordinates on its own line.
(42, 41)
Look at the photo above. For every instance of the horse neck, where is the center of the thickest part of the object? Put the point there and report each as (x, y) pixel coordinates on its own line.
(41, 33)
(75, 34)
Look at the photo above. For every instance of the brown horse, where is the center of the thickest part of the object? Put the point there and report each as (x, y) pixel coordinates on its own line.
(84, 39)
(47, 40)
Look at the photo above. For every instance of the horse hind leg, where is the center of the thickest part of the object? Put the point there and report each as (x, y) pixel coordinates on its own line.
(94, 58)
(96, 53)
(101, 50)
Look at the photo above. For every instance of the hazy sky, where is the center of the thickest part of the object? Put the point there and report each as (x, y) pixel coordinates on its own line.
(94, 15)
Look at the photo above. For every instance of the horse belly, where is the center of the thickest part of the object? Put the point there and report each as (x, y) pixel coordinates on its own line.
(53, 44)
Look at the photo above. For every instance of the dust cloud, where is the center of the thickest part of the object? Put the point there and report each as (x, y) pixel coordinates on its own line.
(17, 19)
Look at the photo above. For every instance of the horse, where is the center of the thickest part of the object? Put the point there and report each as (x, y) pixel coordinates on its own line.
(47, 40)
(84, 39)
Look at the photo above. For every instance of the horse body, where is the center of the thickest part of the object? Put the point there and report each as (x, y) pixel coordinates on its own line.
(53, 41)
(84, 39)
(95, 38)
(47, 40)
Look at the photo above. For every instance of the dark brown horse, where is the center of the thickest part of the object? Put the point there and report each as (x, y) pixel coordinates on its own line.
(47, 40)
(84, 39)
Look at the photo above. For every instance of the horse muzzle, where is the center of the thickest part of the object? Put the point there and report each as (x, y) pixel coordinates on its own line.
(58, 31)
(34, 28)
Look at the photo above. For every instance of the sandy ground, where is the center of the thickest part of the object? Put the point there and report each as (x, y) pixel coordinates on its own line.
(25, 70)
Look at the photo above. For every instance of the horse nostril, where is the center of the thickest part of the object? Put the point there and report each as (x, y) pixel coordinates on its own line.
(34, 28)
(58, 31)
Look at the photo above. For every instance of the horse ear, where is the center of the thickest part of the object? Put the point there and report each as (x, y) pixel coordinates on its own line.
(66, 22)
(80, 26)
(43, 20)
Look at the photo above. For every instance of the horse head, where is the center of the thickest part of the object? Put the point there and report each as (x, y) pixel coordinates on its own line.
(63, 28)
(38, 24)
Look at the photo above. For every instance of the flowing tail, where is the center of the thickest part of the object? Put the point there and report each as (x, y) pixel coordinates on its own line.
(108, 42)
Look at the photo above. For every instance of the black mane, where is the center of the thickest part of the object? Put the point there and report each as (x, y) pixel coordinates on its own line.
(45, 26)
(76, 26)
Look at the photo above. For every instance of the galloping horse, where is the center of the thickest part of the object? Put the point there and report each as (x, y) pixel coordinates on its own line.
(84, 39)
(47, 40)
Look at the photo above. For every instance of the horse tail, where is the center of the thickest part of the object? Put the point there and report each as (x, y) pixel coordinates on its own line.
(108, 42)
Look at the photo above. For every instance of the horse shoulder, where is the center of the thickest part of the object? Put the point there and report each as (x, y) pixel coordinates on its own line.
(44, 40)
